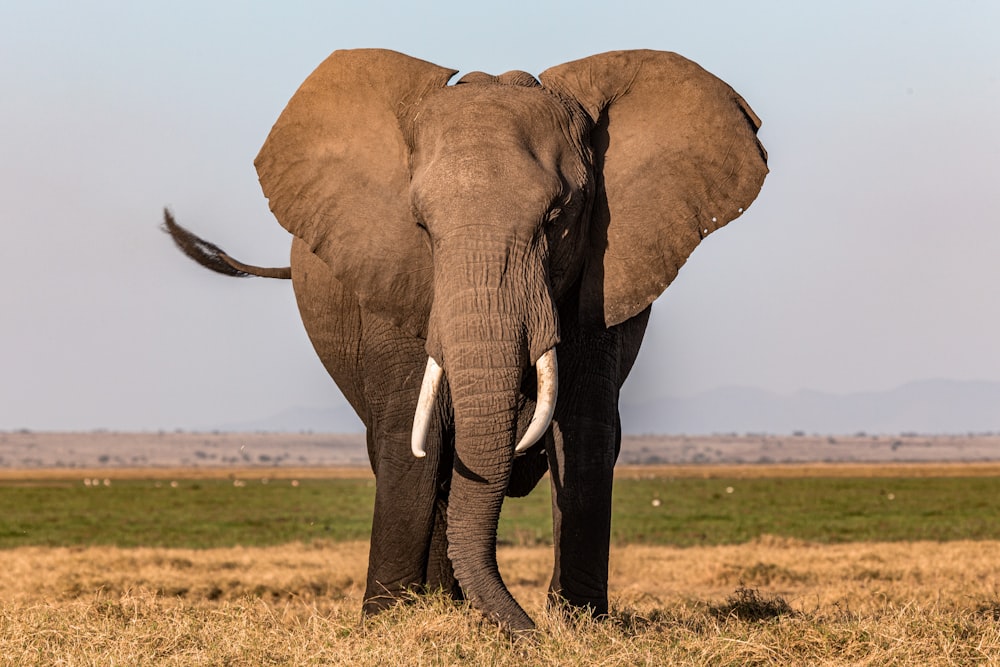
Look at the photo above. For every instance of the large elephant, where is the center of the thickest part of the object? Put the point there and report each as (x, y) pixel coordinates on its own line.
(448, 237)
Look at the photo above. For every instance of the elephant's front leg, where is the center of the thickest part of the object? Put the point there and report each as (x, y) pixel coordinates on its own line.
(586, 440)
(379, 368)
(408, 540)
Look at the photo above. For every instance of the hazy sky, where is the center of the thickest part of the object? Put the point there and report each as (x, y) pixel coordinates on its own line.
(870, 259)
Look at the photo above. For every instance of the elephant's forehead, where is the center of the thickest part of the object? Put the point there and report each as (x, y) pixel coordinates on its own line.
(524, 128)
(508, 111)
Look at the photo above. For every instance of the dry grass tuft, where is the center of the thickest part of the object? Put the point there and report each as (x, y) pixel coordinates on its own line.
(917, 604)
(748, 604)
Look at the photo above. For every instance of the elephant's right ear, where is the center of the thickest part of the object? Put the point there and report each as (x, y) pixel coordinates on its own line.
(335, 171)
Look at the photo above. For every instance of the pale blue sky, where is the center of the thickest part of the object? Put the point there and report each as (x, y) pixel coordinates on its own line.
(869, 260)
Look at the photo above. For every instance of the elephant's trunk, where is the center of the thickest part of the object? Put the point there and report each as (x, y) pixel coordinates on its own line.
(493, 317)
(486, 402)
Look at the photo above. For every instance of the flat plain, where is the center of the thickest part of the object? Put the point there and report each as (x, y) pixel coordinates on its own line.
(845, 562)
(26, 449)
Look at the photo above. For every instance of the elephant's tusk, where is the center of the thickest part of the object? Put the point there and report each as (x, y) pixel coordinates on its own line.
(425, 407)
(548, 389)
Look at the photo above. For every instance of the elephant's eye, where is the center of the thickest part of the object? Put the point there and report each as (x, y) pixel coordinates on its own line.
(422, 226)
(554, 214)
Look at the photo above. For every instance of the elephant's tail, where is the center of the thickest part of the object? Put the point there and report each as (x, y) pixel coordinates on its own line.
(215, 258)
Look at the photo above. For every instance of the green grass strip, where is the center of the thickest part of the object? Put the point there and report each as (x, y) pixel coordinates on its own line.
(682, 512)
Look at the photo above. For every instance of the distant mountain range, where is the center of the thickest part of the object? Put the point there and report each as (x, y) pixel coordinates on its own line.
(927, 407)
(340, 419)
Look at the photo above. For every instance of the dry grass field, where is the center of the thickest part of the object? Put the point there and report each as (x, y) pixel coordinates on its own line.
(772, 601)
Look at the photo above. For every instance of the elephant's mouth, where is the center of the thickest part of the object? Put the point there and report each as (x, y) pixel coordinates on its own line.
(547, 369)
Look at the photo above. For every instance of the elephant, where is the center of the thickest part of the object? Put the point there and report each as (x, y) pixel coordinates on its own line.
(450, 238)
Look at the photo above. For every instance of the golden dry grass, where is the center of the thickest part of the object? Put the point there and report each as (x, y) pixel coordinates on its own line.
(855, 604)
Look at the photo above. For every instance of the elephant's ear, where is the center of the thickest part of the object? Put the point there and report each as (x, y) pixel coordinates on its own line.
(676, 157)
(335, 170)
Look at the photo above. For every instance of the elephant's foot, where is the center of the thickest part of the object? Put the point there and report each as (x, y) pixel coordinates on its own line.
(380, 598)
(573, 609)
(376, 603)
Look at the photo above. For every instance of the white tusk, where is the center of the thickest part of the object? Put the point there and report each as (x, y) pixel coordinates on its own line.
(425, 407)
(545, 407)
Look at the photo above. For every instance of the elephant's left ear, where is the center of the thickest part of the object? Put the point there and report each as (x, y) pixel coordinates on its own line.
(676, 157)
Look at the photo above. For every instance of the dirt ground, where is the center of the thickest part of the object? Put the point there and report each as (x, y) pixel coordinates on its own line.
(104, 449)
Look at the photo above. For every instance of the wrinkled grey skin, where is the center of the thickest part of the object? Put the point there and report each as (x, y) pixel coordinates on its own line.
(483, 223)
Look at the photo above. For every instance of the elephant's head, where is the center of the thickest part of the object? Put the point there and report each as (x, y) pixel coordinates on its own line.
(467, 213)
